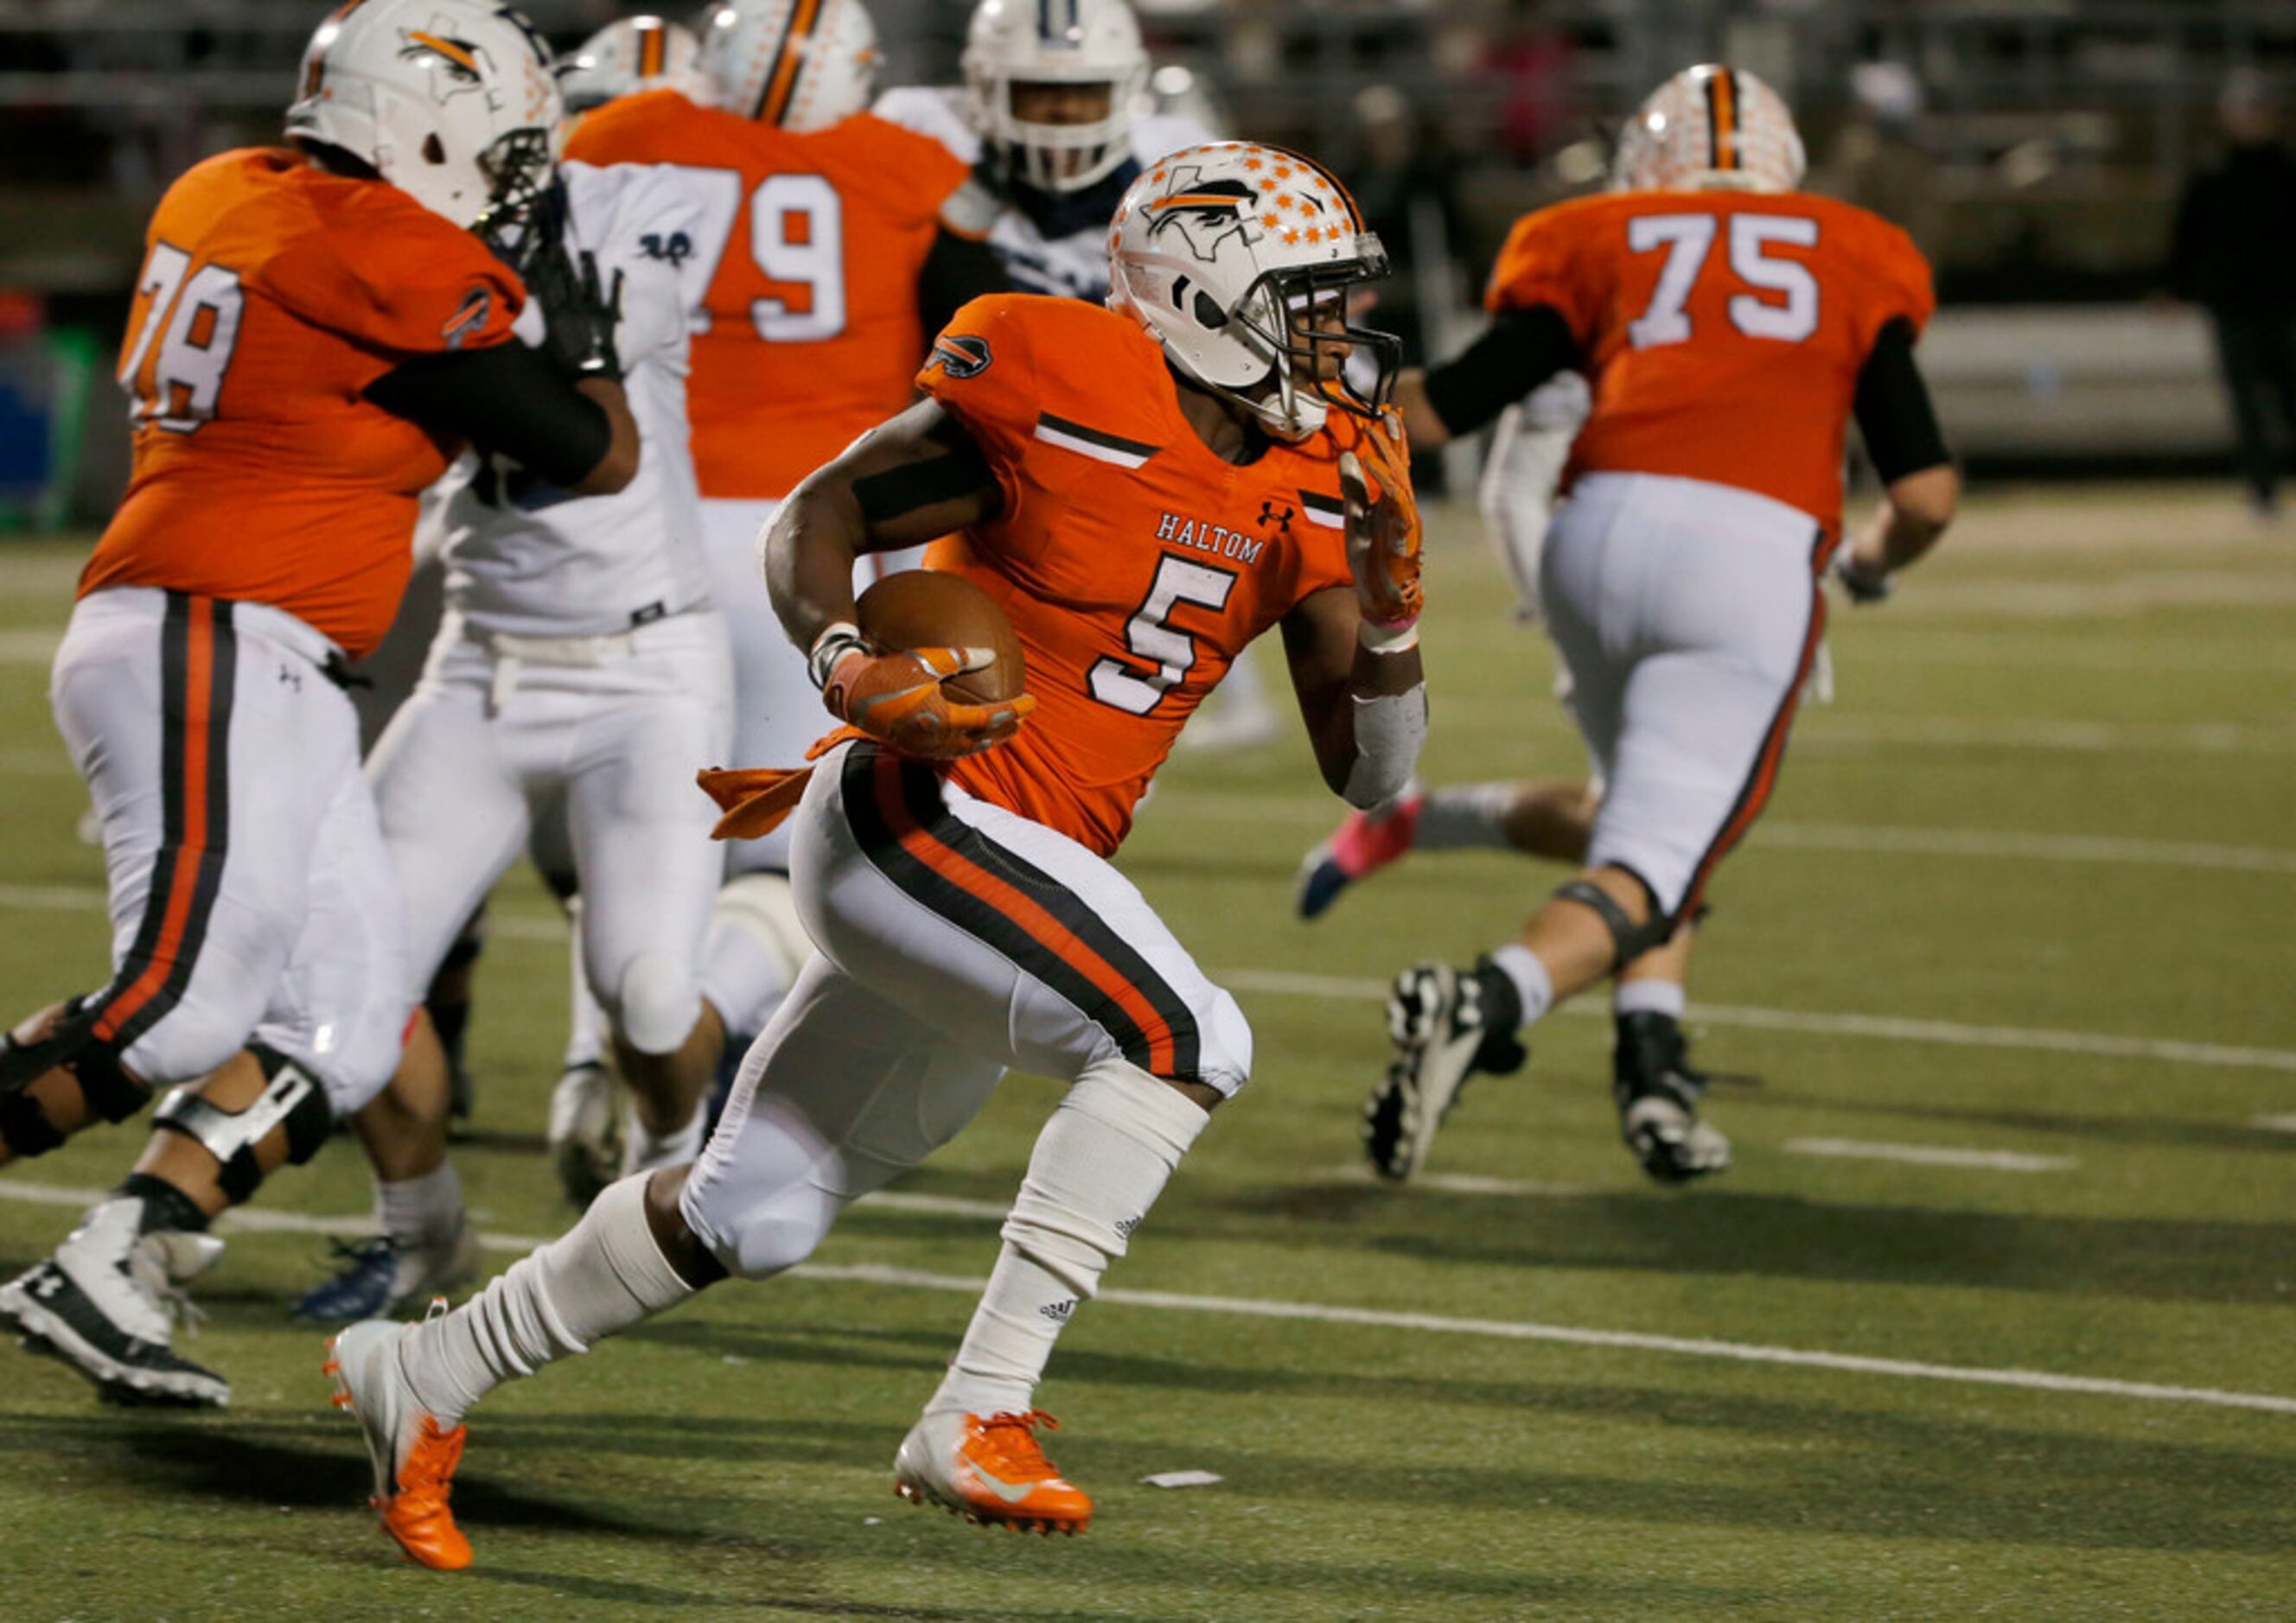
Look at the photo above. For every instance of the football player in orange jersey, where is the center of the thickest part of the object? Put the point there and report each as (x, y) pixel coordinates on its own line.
(1143, 490)
(314, 332)
(1733, 327)
(824, 258)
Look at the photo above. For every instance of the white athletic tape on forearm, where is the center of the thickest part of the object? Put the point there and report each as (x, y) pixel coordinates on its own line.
(1390, 730)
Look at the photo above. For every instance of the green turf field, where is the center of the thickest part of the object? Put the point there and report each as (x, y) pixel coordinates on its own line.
(2023, 900)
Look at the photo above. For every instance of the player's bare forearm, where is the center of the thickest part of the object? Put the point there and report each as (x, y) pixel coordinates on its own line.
(1915, 511)
(909, 479)
(1425, 429)
(619, 465)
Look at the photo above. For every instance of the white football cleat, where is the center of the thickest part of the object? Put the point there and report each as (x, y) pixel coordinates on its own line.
(107, 1303)
(413, 1455)
(990, 1471)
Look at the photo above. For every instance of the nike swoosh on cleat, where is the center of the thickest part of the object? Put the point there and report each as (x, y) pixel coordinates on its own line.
(1011, 1493)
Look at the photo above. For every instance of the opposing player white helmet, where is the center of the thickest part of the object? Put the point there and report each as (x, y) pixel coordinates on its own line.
(802, 64)
(1710, 128)
(1238, 257)
(630, 55)
(1055, 42)
(453, 102)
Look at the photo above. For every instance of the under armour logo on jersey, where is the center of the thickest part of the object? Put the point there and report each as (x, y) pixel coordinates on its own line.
(1272, 512)
(961, 354)
(676, 247)
(470, 317)
(1203, 213)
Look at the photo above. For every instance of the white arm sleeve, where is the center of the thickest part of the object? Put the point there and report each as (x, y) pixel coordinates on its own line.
(1530, 445)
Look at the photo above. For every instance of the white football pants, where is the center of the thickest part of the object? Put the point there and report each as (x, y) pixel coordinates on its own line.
(607, 732)
(1689, 614)
(952, 940)
(252, 898)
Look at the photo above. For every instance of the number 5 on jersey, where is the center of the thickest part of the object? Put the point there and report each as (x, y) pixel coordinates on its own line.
(177, 388)
(796, 241)
(1169, 651)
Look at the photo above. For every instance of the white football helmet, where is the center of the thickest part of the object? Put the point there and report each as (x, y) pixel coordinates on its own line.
(453, 102)
(1710, 127)
(802, 64)
(1055, 42)
(1237, 257)
(633, 55)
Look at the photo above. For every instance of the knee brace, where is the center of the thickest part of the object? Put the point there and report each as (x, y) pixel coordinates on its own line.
(656, 1004)
(1628, 940)
(291, 1098)
(108, 1091)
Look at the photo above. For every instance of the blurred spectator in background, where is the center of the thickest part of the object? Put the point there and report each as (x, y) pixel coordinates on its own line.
(2235, 243)
(1532, 60)
(1879, 162)
(1403, 185)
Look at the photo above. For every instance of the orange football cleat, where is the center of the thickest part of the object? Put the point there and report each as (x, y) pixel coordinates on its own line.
(413, 1455)
(989, 1471)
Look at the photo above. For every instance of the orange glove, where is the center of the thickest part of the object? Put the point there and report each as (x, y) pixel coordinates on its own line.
(897, 698)
(1383, 534)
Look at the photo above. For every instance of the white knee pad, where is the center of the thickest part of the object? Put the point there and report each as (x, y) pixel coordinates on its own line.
(196, 1035)
(656, 1004)
(756, 1229)
(757, 943)
(1226, 1062)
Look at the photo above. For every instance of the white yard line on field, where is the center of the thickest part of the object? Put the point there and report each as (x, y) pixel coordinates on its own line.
(1929, 1155)
(2111, 849)
(1421, 1323)
(1468, 1183)
(2277, 1124)
(1284, 983)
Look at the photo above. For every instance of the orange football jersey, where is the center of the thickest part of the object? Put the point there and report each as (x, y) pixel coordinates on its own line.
(272, 294)
(1725, 331)
(1133, 562)
(805, 270)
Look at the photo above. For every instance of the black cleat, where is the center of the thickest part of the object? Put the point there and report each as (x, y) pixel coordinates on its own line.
(1657, 1091)
(1444, 1028)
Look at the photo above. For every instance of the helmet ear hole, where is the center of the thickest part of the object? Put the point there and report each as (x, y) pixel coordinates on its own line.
(1208, 311)
(434, 150)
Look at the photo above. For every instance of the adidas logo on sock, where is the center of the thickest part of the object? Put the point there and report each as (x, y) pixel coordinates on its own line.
(1124, 1229)
(1059, 1312)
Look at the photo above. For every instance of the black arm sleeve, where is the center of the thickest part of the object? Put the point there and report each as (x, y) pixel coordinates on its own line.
(1893, 408)
(505, 398)
(956, 271)
(1521, 350)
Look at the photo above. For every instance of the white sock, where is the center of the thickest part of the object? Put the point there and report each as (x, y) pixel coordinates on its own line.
(642, 1151)
(1652, 995)
(1470, 817)
(585, 1021)
(1521, 965)
(602, 1275)
(421, 1212)
(1098, 1167)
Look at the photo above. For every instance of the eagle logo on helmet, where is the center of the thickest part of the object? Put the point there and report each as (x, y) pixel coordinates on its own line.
(1204, 213)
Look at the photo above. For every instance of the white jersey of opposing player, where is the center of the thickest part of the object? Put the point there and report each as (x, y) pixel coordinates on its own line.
(1071, 266)
(525, 560)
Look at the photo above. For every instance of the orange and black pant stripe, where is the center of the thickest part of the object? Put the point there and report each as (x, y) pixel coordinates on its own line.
(1755, 793)
(199, 660)
(1010, 905)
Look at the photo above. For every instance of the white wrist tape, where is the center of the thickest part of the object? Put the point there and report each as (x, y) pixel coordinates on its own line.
(829, 647)
(1390, 730)
(1387, 639)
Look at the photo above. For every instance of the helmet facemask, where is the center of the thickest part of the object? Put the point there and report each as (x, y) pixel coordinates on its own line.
(519, 214)
(1297, 317)
(1058, 156)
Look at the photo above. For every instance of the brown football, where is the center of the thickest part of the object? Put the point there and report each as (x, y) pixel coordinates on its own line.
(933, 609)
